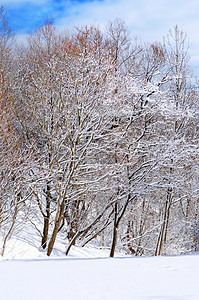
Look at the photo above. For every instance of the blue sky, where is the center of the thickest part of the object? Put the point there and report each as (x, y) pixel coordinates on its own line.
(149, 20)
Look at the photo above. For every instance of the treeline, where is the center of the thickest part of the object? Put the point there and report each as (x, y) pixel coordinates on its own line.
(98, 140)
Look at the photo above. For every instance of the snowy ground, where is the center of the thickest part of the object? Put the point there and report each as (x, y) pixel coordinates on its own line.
(89, 274)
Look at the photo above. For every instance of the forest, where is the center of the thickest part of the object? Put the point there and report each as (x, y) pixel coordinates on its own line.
(98, 140)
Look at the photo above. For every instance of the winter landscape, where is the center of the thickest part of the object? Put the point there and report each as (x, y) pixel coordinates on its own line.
(99, 162)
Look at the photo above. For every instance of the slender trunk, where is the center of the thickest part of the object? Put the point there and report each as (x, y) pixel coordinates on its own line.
(140, 250)
(164, 228)
(196, 226)
(167, 218)
(118, 217)
(56, 228)
(114, 241)
(72, 242)
(45, 232)
(46, 218)
(188, 208)
(159, 242)
(129, 231)
(115, 227)
(12, 225)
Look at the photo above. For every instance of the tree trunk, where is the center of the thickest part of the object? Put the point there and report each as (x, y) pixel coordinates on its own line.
(12, 225)
(45, 232)
(72, 242)
(164, 228)
(46, 218)
(56, 228)
(114, 241)
(115, 227)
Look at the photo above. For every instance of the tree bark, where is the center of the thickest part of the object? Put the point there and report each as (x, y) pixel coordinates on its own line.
(46, 218)
(115, 227)
(114, 241)
(164, 228)
(56, 228)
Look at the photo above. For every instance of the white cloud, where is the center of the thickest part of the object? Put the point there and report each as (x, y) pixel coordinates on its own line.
(148, 19)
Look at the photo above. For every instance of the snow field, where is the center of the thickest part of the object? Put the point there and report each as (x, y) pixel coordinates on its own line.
(99, 278)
